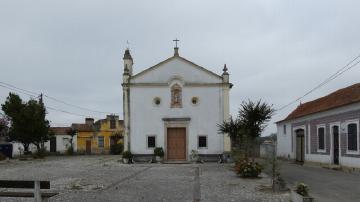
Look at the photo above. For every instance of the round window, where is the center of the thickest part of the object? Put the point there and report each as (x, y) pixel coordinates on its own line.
(157, 101)
(194, 100)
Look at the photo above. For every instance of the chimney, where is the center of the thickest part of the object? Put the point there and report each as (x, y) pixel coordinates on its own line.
(89, 121)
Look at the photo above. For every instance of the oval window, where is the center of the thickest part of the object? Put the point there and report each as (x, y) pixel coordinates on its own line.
(194, 100)
(157, 101)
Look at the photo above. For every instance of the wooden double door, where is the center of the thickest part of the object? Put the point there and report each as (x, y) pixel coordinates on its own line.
(176, 144)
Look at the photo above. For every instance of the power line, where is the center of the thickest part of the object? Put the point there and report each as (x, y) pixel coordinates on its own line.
(327, 80)
(55, 99)
(48, 107)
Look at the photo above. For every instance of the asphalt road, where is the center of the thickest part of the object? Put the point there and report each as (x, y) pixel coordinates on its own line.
(325, 185)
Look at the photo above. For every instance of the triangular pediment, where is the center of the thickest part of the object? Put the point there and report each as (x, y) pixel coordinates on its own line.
(176, 66)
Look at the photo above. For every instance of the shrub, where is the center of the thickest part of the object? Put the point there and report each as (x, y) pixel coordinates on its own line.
(302, 189)
(158, 151)
(40, 154)
(2, 157)
(127, 155)
(70, 150)
(248, 169)
(116, 148)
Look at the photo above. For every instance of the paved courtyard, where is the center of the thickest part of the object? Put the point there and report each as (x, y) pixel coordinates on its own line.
(325, 185)
(103, 178)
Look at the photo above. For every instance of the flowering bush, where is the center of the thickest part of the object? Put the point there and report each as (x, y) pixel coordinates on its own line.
(248, 168)
(302, 189)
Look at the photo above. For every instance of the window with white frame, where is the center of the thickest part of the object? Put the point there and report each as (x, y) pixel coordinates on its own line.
(101, 141)
(151, 141)
(202, 141)
(352, 137)
(321, 138)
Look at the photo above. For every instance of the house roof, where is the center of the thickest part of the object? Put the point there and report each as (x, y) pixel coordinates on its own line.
(172, 58)
(339, 98)
(60, 130)
(82, 127)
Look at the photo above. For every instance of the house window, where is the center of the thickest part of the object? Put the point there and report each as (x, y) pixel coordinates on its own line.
(284, 128)
(352, 137)
(112, 124)
(151, 141)
(202, 141)
(101, 141)
(321, 138)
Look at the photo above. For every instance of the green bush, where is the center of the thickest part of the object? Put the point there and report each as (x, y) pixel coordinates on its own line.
(158, 151)
(40, 154)
(302, 189)
(116, 148)
(70, 150)
(249, 169)
(2, 157)
(127, 155)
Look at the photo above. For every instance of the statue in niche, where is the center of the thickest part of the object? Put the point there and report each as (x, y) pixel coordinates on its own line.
(176, 96)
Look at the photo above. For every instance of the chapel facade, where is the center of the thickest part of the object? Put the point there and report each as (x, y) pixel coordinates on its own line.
(176, 105)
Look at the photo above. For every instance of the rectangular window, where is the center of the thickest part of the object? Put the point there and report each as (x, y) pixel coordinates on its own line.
(112, 124)
(101, 141)
(202, 141)
(352, 138)
(321, 138)
(284, 129)
(151, 141)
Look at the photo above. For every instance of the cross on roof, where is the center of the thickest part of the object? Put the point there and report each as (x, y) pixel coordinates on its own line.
(176, 41)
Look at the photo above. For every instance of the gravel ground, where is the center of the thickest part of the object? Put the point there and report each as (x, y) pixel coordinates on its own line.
(103, 178)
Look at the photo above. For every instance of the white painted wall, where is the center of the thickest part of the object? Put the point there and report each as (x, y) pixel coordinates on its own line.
(284, 140)
(176, 66)
(62, 142)
(146, 118)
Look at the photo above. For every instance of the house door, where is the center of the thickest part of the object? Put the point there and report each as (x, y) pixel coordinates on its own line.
(335, 131)
(88, 146)
(176, 144)
(53, 144)
(300, 145)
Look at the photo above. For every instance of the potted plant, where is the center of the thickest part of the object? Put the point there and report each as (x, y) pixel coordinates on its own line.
(301, 194)
(194, 156)
(159, 154)
(127, 156)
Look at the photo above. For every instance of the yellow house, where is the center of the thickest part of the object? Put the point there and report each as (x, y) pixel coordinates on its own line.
(97, 137)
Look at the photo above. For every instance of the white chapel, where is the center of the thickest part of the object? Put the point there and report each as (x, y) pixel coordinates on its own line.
(177, 105)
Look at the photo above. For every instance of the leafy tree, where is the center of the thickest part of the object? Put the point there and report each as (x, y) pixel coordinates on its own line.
(247, 127)
(28, 122)
(4, 128)
(14, 110)
(72, 132)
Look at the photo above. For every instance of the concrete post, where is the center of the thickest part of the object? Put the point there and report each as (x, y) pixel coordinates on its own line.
(37, 193)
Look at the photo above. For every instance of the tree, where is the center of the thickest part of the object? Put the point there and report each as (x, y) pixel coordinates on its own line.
(14, 110)
(28, 121)
(72, 132)
(251, 121)
(4, 128)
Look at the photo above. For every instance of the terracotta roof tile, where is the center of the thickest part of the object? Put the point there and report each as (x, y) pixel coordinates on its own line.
(82, 127)
(341, 97)
(60, 130)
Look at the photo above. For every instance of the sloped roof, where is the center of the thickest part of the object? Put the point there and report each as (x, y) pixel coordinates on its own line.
(172, 58)
(82, 127)
(60, 130)
(339, 98)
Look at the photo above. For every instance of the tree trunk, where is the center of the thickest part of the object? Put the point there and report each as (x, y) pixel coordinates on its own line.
(26, 147)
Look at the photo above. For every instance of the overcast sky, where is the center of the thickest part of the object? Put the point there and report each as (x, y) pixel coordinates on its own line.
(275, 50)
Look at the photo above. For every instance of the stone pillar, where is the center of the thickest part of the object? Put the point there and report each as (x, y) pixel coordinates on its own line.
(226, 106)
